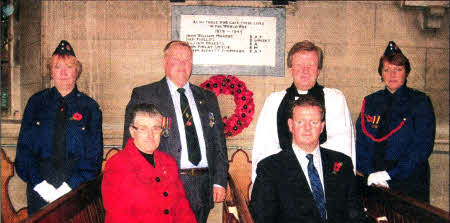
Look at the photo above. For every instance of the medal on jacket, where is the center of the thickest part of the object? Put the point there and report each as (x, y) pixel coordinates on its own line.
(374, 120)
(363, 125)
(166, 123)
(211, 119)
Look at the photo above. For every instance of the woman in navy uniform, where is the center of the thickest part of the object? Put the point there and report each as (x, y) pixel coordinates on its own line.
(60, 142)
(395, 131)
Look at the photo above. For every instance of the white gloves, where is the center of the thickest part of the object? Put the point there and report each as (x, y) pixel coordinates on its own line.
(379, 178)
(63, 189)
(49, 193)
(46, 191)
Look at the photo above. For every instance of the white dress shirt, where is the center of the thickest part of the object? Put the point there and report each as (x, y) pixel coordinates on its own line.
(317, 161)
(184, 162)
(340, 134)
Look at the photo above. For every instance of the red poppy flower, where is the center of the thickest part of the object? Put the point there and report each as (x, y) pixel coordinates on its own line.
(77, 116)
(336, 167)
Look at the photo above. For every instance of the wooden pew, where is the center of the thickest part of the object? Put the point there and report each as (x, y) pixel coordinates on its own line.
(83, 204)
(240, 202)
(399, 208)
(239, 184)
(9, 215)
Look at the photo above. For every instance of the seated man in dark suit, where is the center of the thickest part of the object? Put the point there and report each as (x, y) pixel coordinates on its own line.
(308, 183)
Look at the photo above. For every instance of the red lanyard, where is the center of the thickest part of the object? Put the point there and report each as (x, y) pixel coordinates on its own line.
(363, 126)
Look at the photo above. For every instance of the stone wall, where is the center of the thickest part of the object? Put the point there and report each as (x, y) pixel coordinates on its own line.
(120, 45)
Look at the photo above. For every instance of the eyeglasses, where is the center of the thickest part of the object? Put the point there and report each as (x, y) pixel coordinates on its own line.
(156, 130)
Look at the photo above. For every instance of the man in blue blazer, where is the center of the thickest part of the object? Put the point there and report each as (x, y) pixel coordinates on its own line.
(193, 129)
(307, 183)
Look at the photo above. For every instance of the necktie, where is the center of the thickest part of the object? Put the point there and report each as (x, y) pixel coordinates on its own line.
(58, 159)
(316, 187)
(193, 146)
(59, 140)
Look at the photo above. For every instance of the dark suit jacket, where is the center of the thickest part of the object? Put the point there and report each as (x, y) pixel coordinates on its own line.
(158, 93)
(281, 192)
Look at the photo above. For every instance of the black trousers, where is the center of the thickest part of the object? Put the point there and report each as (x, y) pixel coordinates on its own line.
(199, 194)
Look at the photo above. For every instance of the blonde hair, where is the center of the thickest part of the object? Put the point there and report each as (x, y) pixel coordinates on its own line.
(67, 59)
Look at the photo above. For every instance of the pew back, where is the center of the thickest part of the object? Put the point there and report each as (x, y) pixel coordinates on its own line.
(239, 183)
(9, 215)
(399, 208)
(84, 204)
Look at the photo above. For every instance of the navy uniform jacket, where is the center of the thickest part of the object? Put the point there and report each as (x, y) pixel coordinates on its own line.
(84, 140)
(408, 148)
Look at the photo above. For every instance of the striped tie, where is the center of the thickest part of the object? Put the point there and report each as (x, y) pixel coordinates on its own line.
(316, 187)
(193, 146)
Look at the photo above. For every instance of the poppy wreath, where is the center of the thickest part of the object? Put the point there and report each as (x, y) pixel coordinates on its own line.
(243, 99)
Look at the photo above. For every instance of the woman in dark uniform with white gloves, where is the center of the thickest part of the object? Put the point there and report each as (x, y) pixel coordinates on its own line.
(60, 142)
(395, 131)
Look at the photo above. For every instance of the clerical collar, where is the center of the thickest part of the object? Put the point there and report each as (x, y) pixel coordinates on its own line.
(302, 92)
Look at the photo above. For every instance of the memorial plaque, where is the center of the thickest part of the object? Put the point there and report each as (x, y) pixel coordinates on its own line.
(232, 40)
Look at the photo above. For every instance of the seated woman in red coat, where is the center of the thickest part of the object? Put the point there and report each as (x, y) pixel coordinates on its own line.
(140, 183)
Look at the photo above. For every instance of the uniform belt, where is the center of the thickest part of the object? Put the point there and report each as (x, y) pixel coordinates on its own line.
(194, 171)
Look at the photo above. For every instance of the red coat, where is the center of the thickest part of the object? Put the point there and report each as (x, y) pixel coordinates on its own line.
(135, 191)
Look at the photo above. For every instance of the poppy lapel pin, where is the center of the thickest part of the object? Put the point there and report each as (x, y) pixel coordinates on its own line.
(337, 167)
(77, 116)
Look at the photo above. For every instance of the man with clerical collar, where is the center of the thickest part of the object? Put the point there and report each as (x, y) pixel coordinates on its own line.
(272, 134)
(307, 183)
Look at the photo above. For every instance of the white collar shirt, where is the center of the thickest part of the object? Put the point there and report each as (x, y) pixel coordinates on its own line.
(317, 161)
(184, 162)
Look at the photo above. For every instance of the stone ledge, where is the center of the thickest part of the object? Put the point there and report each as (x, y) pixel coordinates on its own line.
(431, 13)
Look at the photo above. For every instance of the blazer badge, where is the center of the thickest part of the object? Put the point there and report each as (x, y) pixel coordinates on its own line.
(211, 119)
(166, 124)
